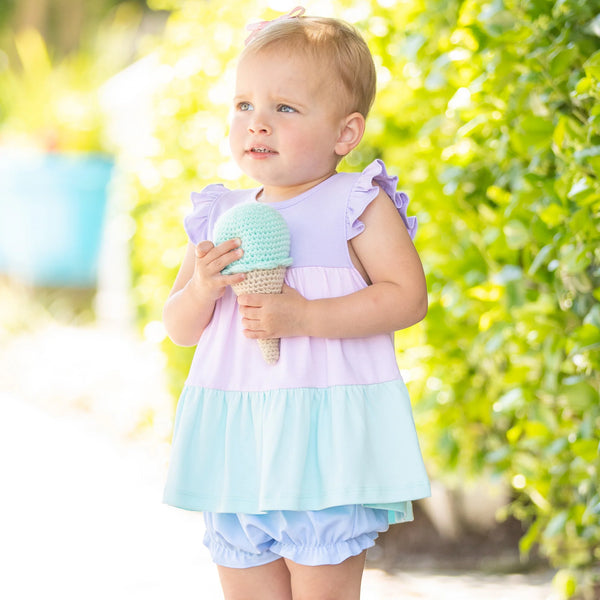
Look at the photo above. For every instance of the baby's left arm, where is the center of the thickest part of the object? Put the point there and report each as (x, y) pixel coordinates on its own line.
(395, 299)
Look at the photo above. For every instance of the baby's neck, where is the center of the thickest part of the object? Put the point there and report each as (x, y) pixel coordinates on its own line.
(270, 194)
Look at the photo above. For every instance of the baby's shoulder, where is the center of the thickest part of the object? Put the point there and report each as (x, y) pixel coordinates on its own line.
(368, 184)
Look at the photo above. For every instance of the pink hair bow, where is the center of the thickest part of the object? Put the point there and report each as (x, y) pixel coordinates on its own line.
(256, 27)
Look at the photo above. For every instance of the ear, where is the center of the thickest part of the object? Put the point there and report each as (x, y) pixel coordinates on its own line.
(352, 130)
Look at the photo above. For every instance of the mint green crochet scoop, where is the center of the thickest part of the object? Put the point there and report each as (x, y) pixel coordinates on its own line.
(264, 234)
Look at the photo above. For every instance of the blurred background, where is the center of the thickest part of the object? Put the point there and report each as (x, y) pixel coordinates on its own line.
(112, 112)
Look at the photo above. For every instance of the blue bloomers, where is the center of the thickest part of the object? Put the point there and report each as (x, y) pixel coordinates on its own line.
(322, 537)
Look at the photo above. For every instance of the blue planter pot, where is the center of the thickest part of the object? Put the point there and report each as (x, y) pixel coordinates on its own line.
(52, 210)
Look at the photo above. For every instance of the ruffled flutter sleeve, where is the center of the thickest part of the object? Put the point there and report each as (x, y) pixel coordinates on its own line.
(197, 222)
(366, 190)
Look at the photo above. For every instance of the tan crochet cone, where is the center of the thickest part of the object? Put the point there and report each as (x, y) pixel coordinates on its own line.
(264, 281)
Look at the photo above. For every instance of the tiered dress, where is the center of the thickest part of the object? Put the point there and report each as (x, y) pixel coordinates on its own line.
(331, 423)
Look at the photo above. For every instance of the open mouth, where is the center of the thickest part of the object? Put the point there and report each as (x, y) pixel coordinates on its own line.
(262, 150)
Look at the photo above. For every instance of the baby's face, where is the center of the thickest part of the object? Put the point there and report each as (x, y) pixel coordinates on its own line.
(286, 122)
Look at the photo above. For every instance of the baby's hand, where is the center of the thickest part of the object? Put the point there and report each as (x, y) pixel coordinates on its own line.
(273, 315)
(210, 261)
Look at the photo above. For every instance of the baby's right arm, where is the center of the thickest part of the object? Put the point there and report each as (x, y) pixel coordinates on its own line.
(198, 286)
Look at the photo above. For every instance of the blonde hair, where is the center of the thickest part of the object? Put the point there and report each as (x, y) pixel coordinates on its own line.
(332, 42)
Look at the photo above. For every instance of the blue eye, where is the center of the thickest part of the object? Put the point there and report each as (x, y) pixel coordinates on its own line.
(286, 108)
(244, 106)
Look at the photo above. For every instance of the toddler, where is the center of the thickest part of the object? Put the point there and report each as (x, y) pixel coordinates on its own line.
(299, 465)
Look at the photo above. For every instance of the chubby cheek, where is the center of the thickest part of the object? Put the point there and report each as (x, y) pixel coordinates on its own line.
(236, 143)
(313, 152)
(303, 147)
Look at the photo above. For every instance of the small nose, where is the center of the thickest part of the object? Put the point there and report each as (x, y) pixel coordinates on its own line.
(259, 125)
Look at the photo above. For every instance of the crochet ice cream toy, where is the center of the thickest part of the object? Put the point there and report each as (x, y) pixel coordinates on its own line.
(266, 244)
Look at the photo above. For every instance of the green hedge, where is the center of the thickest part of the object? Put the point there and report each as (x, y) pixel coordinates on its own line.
(489, 113)
(497, 132)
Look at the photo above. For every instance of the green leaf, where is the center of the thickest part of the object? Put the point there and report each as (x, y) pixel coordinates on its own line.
(593, 27)
(592, 66)
(587, 450)
(580, 395)
(537, 126)
(540, 258)
(517, 234)
(581, 188)
(560, 131)
(584, 85)
(556, 447)
(590, 155)
(574, 258)
(553, 215)
(498, 195)
(509, 401)
(535, 429)
(530, 538)
(562, 60)
(566, 583)
(587, 335)
(593, 317)
(556, 524)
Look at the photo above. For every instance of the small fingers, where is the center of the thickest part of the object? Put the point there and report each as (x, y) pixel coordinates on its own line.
(233, 279)
(253, 328)
(225, 260)
(203, 248)
(249, 323)
(228, 246)
(255, 300)
(249, 312)
(219, 257)
(254, 335)
(226, 253)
